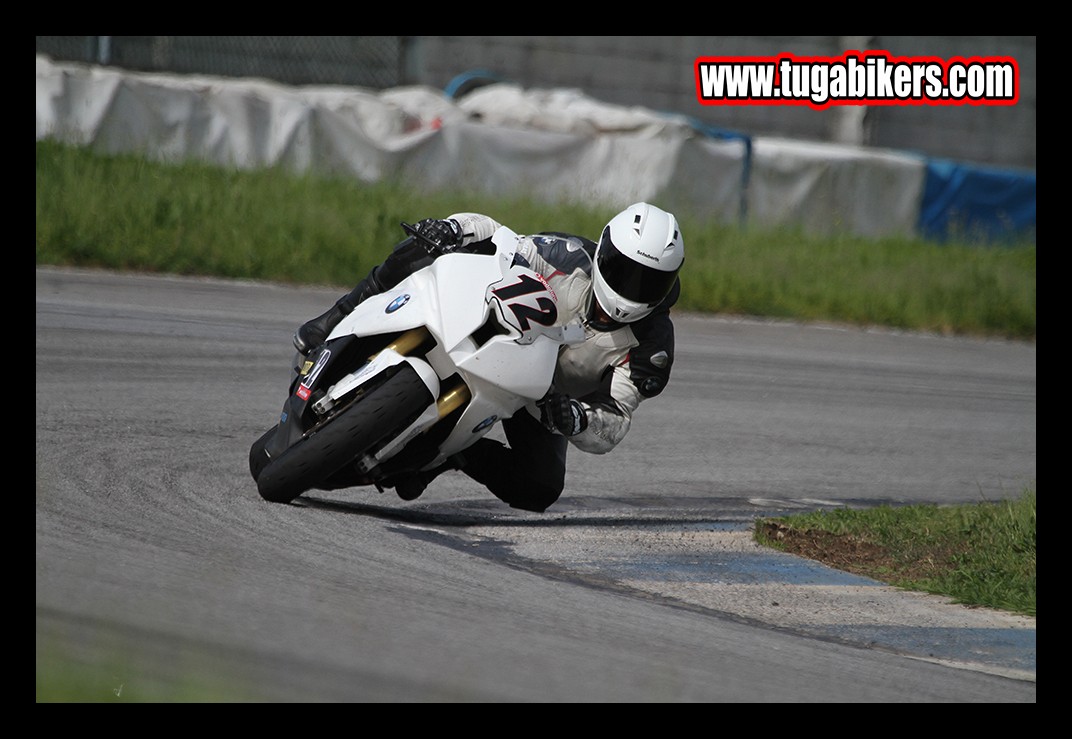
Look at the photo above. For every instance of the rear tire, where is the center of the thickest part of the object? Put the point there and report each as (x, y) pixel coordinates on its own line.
(352, 432)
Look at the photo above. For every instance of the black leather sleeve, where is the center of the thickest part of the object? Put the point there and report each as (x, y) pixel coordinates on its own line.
(651, 361)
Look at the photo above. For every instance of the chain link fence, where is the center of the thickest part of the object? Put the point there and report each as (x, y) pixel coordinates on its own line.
(364, 61)
(653, 71)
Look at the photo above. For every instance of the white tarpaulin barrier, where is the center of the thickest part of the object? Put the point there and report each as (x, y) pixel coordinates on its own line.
(553, 144)
(826, 189)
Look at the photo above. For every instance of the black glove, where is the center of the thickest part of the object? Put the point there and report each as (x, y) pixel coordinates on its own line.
(444, 233)
(563, 414)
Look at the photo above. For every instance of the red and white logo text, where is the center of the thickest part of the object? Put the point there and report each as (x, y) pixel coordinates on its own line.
(855, 78)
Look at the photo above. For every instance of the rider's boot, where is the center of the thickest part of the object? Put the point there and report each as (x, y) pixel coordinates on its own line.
(315, 332)
(407, 257)
(410, 487)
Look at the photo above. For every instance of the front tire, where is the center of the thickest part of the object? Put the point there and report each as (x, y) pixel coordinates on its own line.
(258, 456)
(374, 417)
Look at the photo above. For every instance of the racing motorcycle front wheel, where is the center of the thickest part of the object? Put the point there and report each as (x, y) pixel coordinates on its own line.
(388, 408)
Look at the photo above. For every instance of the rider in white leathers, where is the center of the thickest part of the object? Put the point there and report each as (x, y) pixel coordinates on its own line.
(622, 287)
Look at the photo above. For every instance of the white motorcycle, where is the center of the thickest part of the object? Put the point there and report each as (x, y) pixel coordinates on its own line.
(416, 374)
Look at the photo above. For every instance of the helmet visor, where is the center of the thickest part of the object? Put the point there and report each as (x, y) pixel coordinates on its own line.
(630, 279)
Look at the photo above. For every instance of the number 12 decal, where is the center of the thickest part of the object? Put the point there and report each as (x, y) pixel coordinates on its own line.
(529, 299)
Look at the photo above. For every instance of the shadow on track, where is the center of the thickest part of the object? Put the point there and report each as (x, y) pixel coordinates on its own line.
(723, 513)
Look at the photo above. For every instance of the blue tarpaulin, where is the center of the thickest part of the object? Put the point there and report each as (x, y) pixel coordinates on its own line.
(977, 203)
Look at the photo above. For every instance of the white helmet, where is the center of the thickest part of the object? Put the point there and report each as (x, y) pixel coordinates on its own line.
(636, 263)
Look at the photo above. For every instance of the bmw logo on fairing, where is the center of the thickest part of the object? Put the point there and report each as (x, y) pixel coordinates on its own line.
(485, 423)
(397, 303)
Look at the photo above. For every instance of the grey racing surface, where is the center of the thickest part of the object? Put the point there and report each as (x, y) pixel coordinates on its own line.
(159, 566)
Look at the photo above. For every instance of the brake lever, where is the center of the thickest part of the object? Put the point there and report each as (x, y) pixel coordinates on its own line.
(430, 246)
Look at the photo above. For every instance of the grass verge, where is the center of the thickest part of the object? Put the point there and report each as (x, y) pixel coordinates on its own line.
(979, 555)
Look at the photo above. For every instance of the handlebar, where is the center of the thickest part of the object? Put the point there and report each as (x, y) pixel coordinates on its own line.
(430, 246)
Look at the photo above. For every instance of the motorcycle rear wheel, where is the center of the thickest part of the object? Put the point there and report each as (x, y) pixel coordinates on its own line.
(345, 437)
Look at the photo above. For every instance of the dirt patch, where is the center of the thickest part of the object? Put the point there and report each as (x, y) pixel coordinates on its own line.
(844, 552)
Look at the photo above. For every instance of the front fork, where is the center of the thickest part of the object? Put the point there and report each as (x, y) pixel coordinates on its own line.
(450, 398)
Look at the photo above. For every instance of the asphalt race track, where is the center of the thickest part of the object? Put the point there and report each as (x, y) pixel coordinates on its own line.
(161, 572)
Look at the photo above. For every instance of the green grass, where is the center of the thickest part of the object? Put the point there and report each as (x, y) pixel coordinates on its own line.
(127, 677)
(126, 212)
(979, 554)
